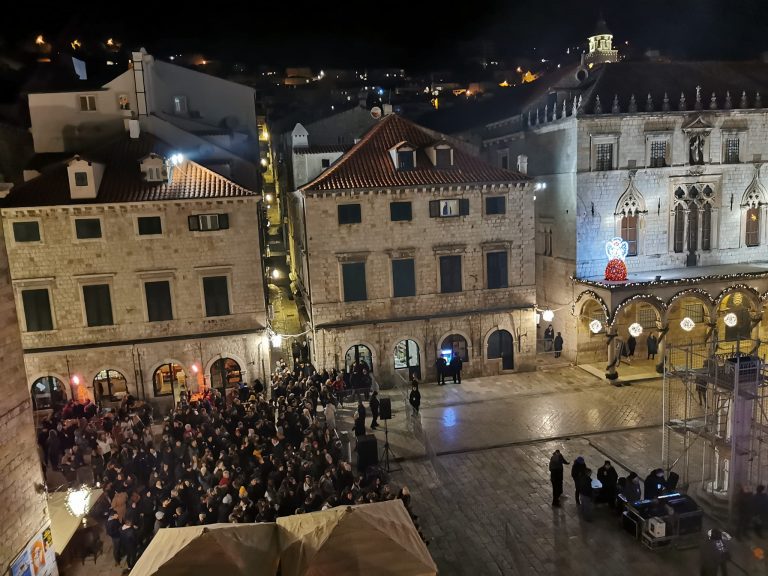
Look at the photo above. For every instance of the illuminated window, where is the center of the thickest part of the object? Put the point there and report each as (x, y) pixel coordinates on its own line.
(658, 153)
(695, 312)
(629, 234)
(87, 103)
(457, 345)
(732, 151)
(604, 157)
(753, 227)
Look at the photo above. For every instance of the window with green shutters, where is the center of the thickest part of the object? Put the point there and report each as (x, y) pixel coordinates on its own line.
(353, 277)
(496, 264)
(158, 300)
(98, 305)
(403, 278)
(216, 295)
(450, 274)
(37, 309)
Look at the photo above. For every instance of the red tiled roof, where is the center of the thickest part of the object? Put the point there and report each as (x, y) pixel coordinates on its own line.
(122, 180)
(369, 164)
(322, 149)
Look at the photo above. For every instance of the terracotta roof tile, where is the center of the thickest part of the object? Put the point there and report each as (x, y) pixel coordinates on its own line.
(322, 149)
(122, 180)
(369, 164)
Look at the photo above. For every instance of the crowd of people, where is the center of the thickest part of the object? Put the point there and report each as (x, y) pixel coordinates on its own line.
(251, 456)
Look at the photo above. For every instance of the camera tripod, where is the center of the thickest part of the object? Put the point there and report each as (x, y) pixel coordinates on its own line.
(388, 451)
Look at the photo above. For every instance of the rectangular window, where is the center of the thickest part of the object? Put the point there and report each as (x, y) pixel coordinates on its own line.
(150, 225)
(87, 103)
(87, 228)
(496, 263)
(325, 162)
(405, 160)
(732, 151)
(158, 301)
(208, 222)
(495, 205)
(26, 231)
(403, 278)
(629, 234)
(504, 159)
(353, 277)
(450, 274)
(695, 312)
(400, 211)
(37, 309)
(349, 214)
(216, 293)
(604, 157)
(658, 153)
(448, 208)
(98, 305)
(443, 157)
(81, 178)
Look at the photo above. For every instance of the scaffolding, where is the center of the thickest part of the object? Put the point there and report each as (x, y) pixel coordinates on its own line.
(715, 425)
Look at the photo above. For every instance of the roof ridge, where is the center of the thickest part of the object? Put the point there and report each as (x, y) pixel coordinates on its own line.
(349, 153)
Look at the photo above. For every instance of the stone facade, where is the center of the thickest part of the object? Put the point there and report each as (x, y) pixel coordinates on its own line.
(125, 261)
(24, 510)
(381, 321)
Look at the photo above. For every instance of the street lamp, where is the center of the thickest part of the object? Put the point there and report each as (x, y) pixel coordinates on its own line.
(687, 324)
(548, 315)
(77, 501)
(595, 326)
(731, 320)
(635, 329)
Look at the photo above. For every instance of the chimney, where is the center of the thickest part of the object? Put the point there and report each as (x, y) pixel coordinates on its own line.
(522, 163)
(134, 129)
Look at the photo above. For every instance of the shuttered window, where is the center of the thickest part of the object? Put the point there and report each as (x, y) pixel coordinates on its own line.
(353, 277)
(403, 278)
(37, 309)
(216, 296)
(98, 305)
(450, 274)
(158, 301)
(497, 270)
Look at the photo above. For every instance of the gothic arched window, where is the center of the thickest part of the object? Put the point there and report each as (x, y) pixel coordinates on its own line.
(752, 236)
(679, 234)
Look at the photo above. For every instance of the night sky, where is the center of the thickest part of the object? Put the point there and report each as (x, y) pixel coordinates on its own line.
(408, 33)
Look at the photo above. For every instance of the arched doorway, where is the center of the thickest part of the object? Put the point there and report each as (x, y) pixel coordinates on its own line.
(500, 346)
(169, 380)
(48, 393)
(359, 353)
(737, 309)
(109, 385)
(225, 373)
(455, 345)
(591, 342)
(407, 357)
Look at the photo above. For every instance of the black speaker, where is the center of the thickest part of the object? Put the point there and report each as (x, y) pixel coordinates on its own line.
(367, 452)
(385, 409)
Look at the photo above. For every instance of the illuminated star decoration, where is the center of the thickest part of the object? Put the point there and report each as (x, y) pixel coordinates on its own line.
(616, 249)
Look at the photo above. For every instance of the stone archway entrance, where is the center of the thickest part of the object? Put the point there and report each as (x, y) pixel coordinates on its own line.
(225, 373)
(500, 346)
(109, 385)
(48, 393)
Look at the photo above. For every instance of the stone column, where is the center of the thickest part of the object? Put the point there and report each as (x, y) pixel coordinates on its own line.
(662, 348)
(614, 354)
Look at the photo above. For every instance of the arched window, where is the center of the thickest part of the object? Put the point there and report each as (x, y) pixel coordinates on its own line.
(456, 344)
(693, 226)
(359, 353)
(109, 385)
(629, 233)
(679, 236)
(407, 357)
(706, 227)
(225, 373)
(169, 378)
(48, 392)
(752, 237)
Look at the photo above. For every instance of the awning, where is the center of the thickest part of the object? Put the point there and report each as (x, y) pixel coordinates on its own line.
(63, 524)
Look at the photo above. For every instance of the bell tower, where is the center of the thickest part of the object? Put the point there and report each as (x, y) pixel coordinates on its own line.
(601, 45)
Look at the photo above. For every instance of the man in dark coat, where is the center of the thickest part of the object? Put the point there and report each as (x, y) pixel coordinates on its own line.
(714, 555)
(360, 418)
(654, 484)
(608, 477)
(441, 368)
(558, 345)
(456, 364)
(415, 398)
(374, 405)
(577, 470)
(652, 343)
(556, 476)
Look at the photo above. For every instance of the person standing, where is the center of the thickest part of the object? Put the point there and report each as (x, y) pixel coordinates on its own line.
(549, 336)
(456, 364)
(330, 415)
(128, 542)
(759, 510)
(374, 405)
(415, 398)
(360, 418)
(631, 345)
(608, 477)
(577, 471)
(558, 345)
(556, 476)
(113, 531)
(441, 366)
(714, 554)
(586, 502)
(652, 343)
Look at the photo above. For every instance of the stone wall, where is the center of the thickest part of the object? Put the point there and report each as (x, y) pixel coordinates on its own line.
(24, 510)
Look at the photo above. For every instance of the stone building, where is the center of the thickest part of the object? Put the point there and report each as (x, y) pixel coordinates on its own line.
(408, 248)
(21, 481)
(135, 271)
(666, 157)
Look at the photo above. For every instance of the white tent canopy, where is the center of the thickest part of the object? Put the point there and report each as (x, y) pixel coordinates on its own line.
(373, 539)
(217, 549)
